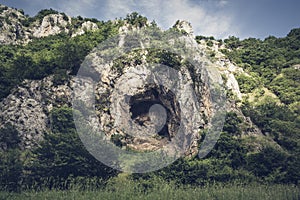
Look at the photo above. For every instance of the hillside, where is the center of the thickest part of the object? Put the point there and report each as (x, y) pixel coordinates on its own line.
(41, 57)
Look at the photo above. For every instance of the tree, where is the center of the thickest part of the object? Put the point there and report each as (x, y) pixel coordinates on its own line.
(232, 42)
(10, 158)
(9, 137)
(136, 19)
(267, 162)
(62, 155)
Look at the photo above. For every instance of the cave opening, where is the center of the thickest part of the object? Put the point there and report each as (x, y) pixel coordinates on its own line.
(141, 103)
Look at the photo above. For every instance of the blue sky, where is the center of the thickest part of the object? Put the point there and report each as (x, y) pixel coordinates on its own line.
(219, 18)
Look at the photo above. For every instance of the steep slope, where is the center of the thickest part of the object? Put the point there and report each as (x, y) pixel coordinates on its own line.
(40, 57)
(17, 28)
(12, 30)
(29, 104)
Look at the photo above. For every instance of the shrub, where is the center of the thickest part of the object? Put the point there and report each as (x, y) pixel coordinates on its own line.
(10, 159)
(62, 155)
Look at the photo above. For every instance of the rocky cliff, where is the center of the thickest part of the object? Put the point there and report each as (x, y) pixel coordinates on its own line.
(17, 28)
(29, 104)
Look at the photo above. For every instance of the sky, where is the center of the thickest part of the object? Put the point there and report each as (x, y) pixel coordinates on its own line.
(218, 18)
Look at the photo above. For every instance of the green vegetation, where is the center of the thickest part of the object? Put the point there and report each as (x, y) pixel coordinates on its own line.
(273, 60)
(200, 37)
(127, 189)
(287, 85)
(231, 160)
(136, 20)
(59, 55)
(59, 161)
(60, 167)
(39, 17)
(247, 83)
(10, 159)
(271, 64)
(61, 155)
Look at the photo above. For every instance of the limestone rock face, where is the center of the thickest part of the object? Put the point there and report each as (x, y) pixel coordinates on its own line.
(28, 106)
(51, 25)
(11, 28)
(14, 27)
(153, 111)
(86, 26)
(297, 66)
(133, 115)
(14, 31)
(185, 27)
(147, 106)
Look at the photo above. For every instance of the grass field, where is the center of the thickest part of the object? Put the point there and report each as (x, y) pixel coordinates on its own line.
(166, 191)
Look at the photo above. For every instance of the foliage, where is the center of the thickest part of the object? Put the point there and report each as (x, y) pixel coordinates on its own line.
(223, 164)
(287, 86)
(282, 124)
(9, 138)
(232, 42)
(201, 37)
(61, 159)
(268, 162)
(136, 20)
(272, 59)
(229, 147)
(39, 16)
(62, 155)
(56, 55)
(10, 159)
(164, 57)
(166, 190)
(276, 120)
(247, 83)
(209, 43)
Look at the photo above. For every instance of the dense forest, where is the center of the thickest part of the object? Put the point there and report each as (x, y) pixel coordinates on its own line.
(61, 160)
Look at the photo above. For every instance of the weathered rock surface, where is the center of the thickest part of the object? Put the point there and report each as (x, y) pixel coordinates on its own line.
(51, 25)
(86, 26)
(28, 106)
(127, 89)
(185, 27)
(13, 28)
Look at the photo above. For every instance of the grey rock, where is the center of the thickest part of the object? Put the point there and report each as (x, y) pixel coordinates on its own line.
(28, 106)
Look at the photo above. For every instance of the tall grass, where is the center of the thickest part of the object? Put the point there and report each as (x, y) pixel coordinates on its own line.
(128, 189)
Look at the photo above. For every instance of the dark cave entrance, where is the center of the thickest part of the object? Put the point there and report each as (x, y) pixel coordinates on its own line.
(141, 103)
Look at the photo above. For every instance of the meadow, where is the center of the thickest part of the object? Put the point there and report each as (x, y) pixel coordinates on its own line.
(131, 190)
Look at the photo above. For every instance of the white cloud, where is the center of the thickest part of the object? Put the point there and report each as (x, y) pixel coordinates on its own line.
(77, 7)
(206, 20)
(166, 12)
(118, 8)
(222, 3)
